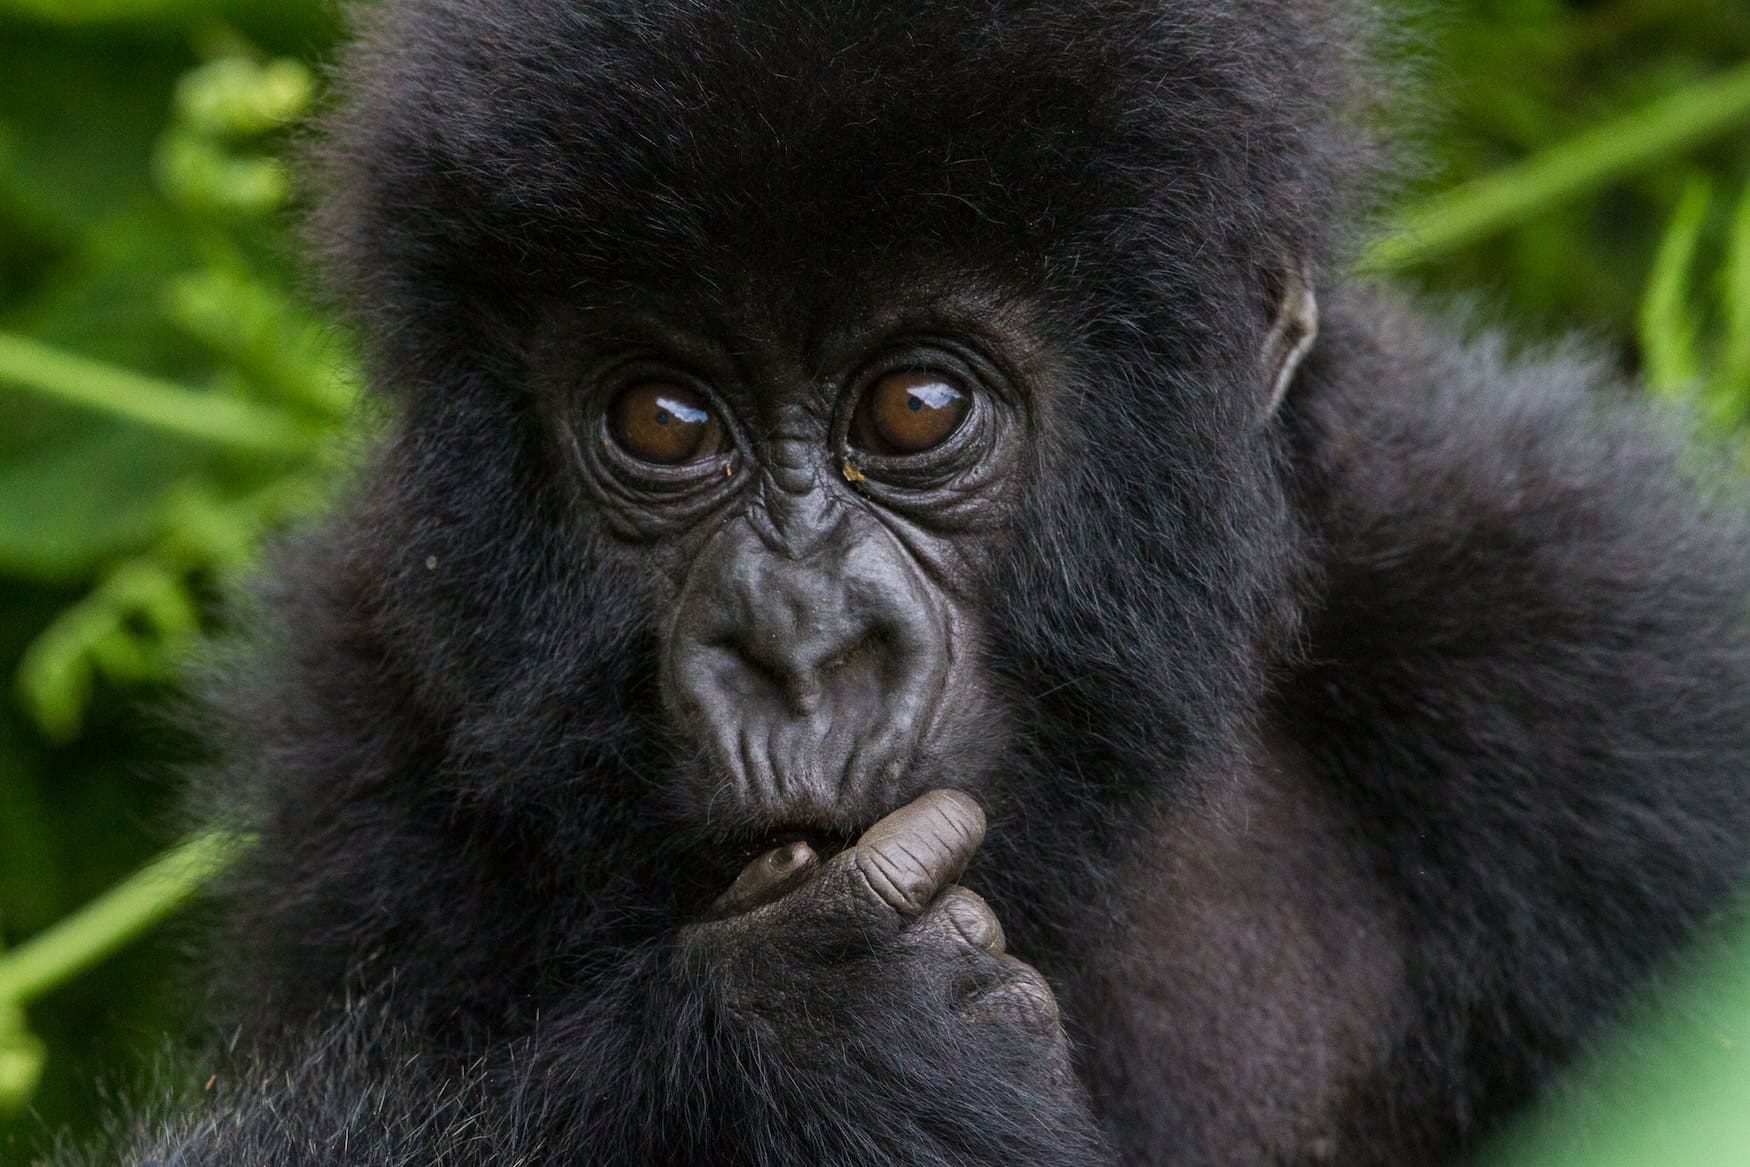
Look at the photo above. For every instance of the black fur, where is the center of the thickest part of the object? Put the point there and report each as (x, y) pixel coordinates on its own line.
(1352, 764)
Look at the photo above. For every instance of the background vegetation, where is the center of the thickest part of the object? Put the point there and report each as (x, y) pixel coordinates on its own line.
(166, 400)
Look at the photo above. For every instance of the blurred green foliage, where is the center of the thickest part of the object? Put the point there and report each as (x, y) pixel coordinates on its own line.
(1509, 81)
(1669, 1093)
(168, 399)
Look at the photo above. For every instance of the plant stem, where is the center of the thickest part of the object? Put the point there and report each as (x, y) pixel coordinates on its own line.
(89, 384)
(86, 12)
(1585, 162)
(113, 918)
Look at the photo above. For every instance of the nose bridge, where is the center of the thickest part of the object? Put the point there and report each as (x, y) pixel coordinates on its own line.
(792, 588)
(796, 513)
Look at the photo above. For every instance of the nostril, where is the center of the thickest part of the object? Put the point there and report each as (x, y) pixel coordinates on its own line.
(870, 647)
(739, 657)
(795, 671)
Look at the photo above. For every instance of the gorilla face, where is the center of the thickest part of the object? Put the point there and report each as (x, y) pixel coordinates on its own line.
(822, 508)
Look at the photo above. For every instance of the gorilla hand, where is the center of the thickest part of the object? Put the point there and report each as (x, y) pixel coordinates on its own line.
(876, 950)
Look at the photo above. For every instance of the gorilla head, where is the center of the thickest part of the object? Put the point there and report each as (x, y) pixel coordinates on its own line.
(899, 378)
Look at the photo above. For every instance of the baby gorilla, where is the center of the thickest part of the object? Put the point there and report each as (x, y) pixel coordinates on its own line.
(819, 426)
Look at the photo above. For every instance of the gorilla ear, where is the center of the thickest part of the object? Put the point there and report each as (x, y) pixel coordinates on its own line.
(1291, 334)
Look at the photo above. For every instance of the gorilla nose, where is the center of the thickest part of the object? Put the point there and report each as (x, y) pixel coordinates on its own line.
(809, 678)
(812, 646)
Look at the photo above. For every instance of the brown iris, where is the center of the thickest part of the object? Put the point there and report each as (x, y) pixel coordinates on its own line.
(665, 423)
(907, 413)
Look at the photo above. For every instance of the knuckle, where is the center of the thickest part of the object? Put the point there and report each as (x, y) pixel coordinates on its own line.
(973, 920)
(1024, 990)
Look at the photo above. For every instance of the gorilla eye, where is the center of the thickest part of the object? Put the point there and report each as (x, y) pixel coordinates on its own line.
(907, 413)
(664, 423)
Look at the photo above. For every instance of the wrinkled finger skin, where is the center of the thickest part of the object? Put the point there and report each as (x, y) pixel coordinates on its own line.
(766, 878)
(907, 857)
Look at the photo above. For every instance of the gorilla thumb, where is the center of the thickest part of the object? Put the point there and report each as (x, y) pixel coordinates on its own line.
(913, 853)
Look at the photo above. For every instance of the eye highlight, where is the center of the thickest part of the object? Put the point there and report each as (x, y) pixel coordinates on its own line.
(665, 424)
(908, 412)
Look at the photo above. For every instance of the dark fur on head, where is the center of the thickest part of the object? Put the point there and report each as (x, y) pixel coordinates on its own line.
(1140, 197)
(1465, 610)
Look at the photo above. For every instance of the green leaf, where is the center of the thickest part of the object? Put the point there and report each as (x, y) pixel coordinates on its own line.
(198, 174)
(237, 97)
(275, 343)
(130, 628)
(74, 504)
(1735, 297)
(84, 111)
(32, 885)
(1669, 325)
(21, 1060)
(86, 12)
(297, 18)
(99, 298)
(115, 917)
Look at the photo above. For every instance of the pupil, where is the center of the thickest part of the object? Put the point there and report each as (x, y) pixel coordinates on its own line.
(662, 417)
(913, 403)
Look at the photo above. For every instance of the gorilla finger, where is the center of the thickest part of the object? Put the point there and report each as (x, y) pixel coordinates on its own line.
(767, 878)
(959, 916)
(906, 858)
(1021, 992)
